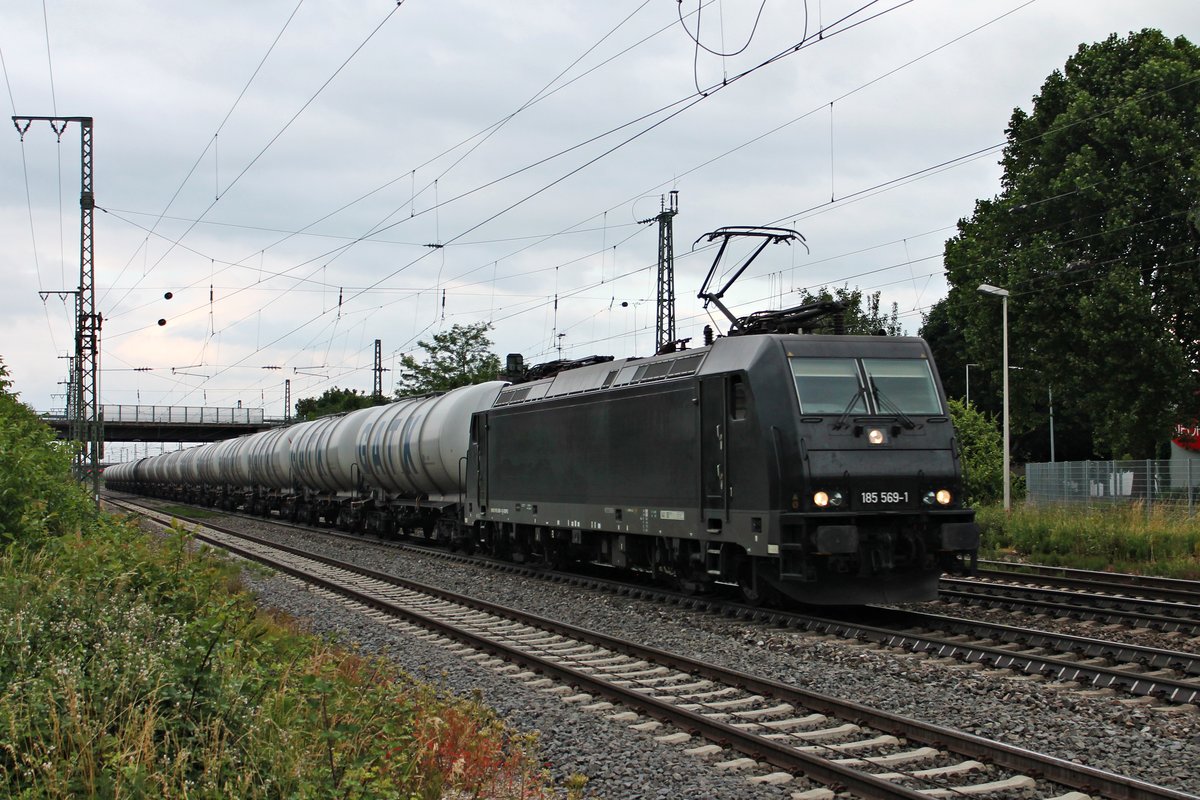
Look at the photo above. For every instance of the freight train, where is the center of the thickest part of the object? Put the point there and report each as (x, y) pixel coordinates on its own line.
(820, 469)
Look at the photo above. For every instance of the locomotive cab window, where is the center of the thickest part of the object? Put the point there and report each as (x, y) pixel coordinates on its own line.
(828, 385)
(737, 398)
(903, 383)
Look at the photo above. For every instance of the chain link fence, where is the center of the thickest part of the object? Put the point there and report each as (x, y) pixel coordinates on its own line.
(1171, 484)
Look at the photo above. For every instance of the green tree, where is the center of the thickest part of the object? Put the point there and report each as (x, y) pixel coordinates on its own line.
(336, 401)
(1094, 234)
(982, 449)
(460, 356)
(863, 314)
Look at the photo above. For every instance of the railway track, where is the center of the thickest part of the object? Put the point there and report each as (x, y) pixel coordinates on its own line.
(781, 730)
(1014, 593)
(1144, 586)
(1101, 664)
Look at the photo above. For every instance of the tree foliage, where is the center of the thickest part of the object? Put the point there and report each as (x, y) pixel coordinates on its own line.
(863, 314)
(458, 357)
(1094, 234)
(336, 401)
(39, 498)
(982, 450)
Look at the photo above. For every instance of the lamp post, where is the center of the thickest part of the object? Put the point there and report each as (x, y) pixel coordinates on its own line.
(996, 291)
(969, 382)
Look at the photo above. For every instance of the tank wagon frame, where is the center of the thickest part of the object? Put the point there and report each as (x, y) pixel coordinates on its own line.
(823, 469)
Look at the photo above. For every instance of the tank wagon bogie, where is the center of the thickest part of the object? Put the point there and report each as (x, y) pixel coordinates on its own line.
(823, 469)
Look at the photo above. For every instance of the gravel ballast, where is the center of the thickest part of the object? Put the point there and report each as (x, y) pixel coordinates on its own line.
(1110, 732)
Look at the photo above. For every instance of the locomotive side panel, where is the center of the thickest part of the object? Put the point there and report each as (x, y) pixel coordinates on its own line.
(633, 448)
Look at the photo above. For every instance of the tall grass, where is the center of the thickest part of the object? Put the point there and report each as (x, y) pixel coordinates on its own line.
(131, 670)
(1120, 538)
(133, 667)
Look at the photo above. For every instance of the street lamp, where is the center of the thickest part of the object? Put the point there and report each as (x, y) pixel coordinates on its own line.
(996, 291)
(969, 382)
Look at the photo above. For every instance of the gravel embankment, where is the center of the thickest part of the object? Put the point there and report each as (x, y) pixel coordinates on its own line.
(1113, 733)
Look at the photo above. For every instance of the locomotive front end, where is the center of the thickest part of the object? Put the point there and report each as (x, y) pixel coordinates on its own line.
(876, 497)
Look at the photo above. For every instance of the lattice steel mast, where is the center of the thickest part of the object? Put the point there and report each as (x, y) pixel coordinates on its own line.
(377, 387)
(87, 424)
(664, 328)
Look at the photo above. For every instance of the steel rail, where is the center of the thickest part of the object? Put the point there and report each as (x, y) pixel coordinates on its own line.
(1154, 614)
(1168, 587)
(779, 755)
(1157, 658)
(1050, 768)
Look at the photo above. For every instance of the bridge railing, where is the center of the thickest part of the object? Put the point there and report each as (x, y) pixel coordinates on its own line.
(185, 415)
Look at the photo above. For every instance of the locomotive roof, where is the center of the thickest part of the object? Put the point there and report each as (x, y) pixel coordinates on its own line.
(724, 355)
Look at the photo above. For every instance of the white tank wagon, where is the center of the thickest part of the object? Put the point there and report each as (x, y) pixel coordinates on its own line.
(270, 457)
(119, 475)
(386, 468)
(231, 460)
(167, 468)
(325, 454)
(205, 463)
(416, 448)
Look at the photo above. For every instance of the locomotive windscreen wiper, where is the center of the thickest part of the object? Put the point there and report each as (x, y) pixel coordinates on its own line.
(858, 394)
(882, 401)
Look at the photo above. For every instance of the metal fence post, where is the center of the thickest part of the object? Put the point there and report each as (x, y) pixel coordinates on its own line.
(1149, 488)
(1087, 483)
(1191, 491)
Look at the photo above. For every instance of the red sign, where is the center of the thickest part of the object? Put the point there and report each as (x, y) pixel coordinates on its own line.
(1188, 437)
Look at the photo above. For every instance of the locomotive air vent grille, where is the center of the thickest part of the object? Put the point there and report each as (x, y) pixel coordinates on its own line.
(686, 365)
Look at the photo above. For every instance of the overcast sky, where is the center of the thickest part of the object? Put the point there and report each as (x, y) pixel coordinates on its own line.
(327, 172)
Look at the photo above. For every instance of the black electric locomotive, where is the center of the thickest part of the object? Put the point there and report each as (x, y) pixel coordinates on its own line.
(820, 468)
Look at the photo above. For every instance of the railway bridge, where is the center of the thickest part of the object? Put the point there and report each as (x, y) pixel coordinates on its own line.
(138, 423)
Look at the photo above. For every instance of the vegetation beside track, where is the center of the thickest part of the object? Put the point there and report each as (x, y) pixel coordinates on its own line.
(1118, 538)
(135, 667)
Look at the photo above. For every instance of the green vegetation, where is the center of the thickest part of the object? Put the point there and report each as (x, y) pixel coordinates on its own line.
(461, 356)
(36, 500)
(863, 314)
(336, 401)
(982, 453)
(1095, 233)
(132, 666)
(1116, 538)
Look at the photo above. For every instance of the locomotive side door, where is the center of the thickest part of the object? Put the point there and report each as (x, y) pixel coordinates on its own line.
(714, 451)
(478, 454)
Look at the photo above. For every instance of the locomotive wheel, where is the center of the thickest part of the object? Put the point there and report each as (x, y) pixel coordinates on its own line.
(755, 591)
(692, 579)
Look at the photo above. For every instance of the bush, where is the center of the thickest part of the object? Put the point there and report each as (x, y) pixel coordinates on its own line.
(38, 496)
(128, 669)
(982, 450)
(133, 666)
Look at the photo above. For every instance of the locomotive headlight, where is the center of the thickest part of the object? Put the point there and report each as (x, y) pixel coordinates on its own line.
(942, 497)
(875, 436)
(828, 499)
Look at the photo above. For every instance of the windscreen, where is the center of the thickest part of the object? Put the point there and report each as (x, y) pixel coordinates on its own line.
(828, 385)
(904, 384)
(893, 385)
